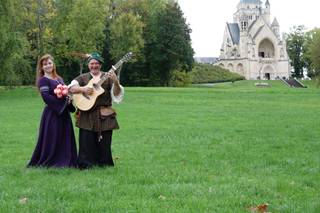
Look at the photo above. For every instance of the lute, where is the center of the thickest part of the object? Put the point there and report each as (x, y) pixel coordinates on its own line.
(86, 102)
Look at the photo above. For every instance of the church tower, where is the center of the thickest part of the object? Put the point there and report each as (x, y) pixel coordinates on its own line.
(247, 12)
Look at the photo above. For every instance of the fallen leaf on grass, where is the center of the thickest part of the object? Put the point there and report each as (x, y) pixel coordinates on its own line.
(116, 158)
(262, 208)
(23, 200)
(161, 197)
(210, 189)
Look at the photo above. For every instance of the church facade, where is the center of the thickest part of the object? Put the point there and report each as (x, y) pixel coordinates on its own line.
(252, 45)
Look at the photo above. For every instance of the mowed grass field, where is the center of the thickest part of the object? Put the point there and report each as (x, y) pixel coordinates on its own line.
(224, 148)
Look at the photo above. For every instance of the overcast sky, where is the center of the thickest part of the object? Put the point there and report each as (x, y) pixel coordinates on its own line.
(207, 19)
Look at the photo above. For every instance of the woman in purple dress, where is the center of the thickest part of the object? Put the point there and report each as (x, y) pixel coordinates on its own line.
(56, 145)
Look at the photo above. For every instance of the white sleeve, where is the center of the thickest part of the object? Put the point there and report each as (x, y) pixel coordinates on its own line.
(117, 99)
(73, 83)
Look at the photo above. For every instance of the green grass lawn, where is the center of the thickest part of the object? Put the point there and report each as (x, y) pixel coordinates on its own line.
(223, 148)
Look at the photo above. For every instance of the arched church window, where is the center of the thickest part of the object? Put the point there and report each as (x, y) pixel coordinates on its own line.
(240, 69)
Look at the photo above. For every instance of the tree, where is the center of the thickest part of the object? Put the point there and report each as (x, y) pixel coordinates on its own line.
(313, 52)
(37, 16)
(126, 35)
(144, 12)
(14, 68)
(306, 57)
(295, 47)
(171, 47)
(79, 28)
(86, 24)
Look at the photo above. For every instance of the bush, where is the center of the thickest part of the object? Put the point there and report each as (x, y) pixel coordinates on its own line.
(179, 79)
(206, 73)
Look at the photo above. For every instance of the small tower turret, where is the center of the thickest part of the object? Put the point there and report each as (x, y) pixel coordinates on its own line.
(266, 12)
(267, 4)
(275, 27)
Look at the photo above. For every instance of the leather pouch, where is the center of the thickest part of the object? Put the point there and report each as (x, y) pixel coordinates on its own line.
(107, 111)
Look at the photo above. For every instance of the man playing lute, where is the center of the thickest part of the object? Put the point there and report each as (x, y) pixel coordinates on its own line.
(97, 123)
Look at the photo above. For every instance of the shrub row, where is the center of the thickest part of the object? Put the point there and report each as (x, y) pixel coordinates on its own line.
(206, 73)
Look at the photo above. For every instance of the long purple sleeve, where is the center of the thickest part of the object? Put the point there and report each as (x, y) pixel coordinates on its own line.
(53, 102)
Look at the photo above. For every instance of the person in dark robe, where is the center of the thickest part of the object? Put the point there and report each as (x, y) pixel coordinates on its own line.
(56, 146)
(97, 124)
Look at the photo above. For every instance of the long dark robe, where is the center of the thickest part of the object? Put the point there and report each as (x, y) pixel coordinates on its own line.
(93, 152)
(56, 145)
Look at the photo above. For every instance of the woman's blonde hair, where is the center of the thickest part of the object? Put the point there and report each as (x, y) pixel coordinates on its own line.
(40, 71)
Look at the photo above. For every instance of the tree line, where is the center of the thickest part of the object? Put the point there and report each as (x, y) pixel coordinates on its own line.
(154, 30)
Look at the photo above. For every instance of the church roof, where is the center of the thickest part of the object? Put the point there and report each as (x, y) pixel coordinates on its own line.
(258, 31)
(234, 32)
(251, 1)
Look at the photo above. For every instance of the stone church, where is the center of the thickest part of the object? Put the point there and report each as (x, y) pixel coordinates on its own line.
(252, 45)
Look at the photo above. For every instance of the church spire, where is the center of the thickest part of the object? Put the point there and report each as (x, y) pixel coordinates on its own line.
(267, 3)
(275, 23)
(276, 27)
(267, 11)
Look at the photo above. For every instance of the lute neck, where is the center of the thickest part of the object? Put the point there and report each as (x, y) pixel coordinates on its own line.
(113, 68)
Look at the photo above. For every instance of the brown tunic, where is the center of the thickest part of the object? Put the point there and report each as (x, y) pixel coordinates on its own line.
(92, 119)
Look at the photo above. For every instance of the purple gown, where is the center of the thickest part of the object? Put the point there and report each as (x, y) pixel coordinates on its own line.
(56, 145)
